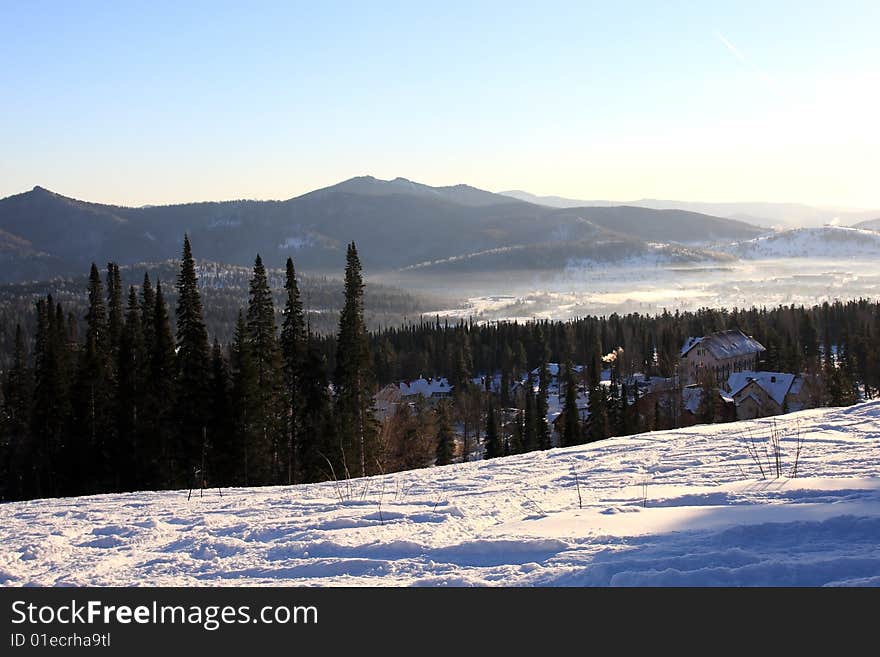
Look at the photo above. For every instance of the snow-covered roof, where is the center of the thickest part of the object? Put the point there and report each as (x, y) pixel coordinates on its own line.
(725, 344)
(776, 384)
(555, 369)
(689, 344)
(424, 387)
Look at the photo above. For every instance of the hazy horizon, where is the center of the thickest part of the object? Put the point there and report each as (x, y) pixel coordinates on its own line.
(284, 197)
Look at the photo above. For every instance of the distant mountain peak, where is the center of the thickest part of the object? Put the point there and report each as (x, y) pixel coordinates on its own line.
(368, 185)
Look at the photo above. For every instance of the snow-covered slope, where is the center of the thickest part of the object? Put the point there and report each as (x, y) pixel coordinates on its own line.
(685, 507)
(824, 242)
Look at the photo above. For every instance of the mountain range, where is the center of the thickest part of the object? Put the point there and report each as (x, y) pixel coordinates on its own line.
(780, 215)
(397, 224)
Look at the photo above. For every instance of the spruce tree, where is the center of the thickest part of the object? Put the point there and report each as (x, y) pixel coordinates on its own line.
(247, 435)
(516, 442)
(599, 425)
(318, 429)
(625, 425)
(293, 348)
(51, 408)
(353, 377)
(542, 402)
(16, 419)
(492, 442)
(445, 435)
(130, 370)
(193, 369)
(571, 419)
(115, 312)
(92, 403)
(220, 447)
(148, 313)
(266, 464)
(161, 457)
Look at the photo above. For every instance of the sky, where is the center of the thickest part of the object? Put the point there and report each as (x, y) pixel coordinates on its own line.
(160, 102)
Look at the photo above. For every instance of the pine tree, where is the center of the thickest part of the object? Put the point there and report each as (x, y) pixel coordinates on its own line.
(571, 431)
(626, 423)
(318, 430)
(445, 437)
(160, 457)
(130, 371)
(266, 463)
(115, 311)
(599, 425)
(115, 321)
(148, 314)
(51, 408)
(516, 443)
(354, 377)
(17, 458)
(492, 443)
(92, 403)
(293, 348)
(244, 400)
(193, 370)
(221, 446)
(464, 390)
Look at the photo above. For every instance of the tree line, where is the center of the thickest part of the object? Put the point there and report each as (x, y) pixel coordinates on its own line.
(137, 397)
(134, 404)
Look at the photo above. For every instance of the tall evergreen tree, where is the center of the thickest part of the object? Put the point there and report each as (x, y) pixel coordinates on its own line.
(92, 403)
(492, 442)
(599, 425)
(293, 348)
(148, 313)
(130, 370)
(221, 446)
(193, 369)
(18, 463)
(266, 465)
(317, 436)
(445, 436)
(517, 440)
(571, 420)
(354, 377)
(247, 435)
(50, 424)
(115, 311)
(161, 455)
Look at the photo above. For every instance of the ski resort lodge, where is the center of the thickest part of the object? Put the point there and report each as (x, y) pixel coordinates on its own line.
(723, 353)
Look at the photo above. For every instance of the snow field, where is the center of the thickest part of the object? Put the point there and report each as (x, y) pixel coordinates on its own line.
(683, 507)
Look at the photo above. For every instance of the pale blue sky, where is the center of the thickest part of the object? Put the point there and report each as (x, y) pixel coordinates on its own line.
(154, 102)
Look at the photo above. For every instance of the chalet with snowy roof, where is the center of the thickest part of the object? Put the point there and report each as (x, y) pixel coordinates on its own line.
(721, 354)
(406, 392)
(762, 394)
